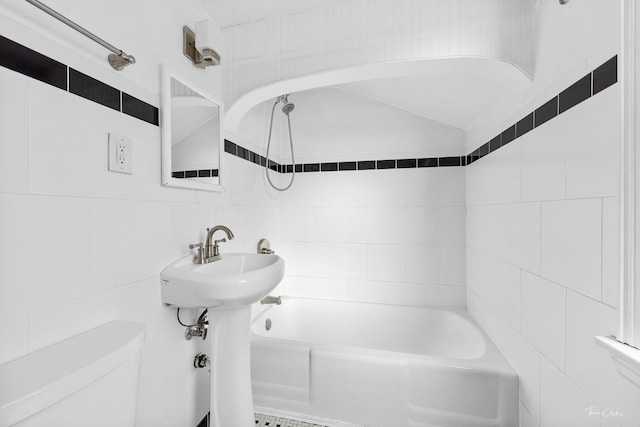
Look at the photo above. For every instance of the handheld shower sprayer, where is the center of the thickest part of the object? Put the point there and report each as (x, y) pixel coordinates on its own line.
(287, 107)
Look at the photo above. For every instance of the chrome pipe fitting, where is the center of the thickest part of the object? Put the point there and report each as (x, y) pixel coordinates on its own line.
(199, 330)
(201, 361)
(271, 300)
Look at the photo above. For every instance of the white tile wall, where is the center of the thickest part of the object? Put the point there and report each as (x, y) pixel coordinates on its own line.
(610, 251)
(348, 260)
(562, 403)
(368, 291)
(526, 361)
(14, 330)
(406, 294)
(522, 235)
(526, 419)
(331, 288)
(498, 180)
(84, 150)
(403, 243)
(387, 262)
(588, 366)
(556, 223)
(544, 161)
(14, 134)
(593, 163)
(544, 317)
(51, 233)
(571, 244)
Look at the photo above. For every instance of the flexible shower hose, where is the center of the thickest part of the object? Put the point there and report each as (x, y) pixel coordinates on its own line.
(266, 165)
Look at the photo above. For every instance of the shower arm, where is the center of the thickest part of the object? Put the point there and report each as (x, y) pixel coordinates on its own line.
(118, 60)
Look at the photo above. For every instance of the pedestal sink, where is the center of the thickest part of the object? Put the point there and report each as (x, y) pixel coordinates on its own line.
(227, 287)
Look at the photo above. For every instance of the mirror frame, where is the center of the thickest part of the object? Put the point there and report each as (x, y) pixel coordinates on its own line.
(166, 74)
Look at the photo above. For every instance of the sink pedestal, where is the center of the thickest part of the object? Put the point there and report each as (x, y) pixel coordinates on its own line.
(227, 287)
(231, 396)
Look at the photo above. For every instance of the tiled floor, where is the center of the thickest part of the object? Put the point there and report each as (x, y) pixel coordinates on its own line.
(271, 421)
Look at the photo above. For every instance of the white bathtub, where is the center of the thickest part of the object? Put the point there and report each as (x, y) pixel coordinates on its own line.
(380, 366)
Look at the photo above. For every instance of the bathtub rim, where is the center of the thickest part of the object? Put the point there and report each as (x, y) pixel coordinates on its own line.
(491, 361)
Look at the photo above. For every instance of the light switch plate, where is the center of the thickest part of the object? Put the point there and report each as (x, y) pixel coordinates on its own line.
(120, 153)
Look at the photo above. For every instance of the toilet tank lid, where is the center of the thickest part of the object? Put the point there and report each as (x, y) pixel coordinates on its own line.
(37, 380)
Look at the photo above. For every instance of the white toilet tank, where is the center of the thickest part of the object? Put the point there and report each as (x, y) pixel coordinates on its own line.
(88, 379)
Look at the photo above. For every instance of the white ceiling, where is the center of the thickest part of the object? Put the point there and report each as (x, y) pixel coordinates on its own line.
(456, 101)
(232, 12)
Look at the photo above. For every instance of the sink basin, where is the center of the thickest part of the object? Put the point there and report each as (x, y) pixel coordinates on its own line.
(235, 280)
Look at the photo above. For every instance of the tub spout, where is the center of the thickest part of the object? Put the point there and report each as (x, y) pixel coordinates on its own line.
(271, 300)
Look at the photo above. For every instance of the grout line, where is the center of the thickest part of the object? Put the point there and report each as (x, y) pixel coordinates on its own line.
(566, 322)
(602, 249)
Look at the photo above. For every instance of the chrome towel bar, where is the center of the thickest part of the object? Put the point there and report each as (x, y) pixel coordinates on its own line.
(118, 59)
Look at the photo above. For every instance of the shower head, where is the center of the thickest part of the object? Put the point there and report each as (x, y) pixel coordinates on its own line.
(288, 106)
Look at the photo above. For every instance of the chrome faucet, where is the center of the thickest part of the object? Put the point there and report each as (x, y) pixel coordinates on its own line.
(271, 300)
(210, 252)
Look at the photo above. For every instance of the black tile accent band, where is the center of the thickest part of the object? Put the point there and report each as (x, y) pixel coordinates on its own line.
(200, 173)
(450, 161)
(594, 82)
(328, 167)
(407, 163)
(93, 90)
(366, 165)
(230, 147)
(386, 164)
(430, 162)
(507, 136)
(347, 166)
(605, 75)
(574, 94)
(311, 167)
(204, 422)
(139, 109)
(546, 112)
(495, 143)
(32, 64)
(525, 125)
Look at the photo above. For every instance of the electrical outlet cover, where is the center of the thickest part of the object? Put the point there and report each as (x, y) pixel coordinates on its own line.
(120, 153)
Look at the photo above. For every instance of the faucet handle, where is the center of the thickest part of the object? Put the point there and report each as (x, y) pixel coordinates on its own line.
(215, 242)
(196, 245)
(264, 247)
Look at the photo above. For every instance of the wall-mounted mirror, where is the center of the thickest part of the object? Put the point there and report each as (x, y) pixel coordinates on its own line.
(191, 135)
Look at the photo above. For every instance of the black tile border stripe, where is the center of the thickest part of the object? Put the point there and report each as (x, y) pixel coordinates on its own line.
(596, 81)
(575, 94)
(199, 173)
(139, 109)
(605, 75)
(237, 150)
(30, 63)
(586, 87)
(94, 90)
